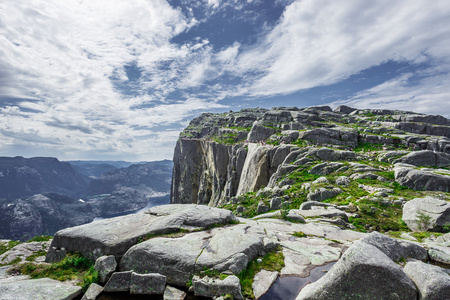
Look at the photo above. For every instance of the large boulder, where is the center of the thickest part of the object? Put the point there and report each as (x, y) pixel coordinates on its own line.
(432, 282)
(429, 213)
(228, 248)
(395, 249)
(363, 272)
(421, 180)
(116, 235)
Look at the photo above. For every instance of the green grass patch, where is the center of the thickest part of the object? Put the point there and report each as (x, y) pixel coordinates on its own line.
(299, 234)
(273, 261)
(72, 267)
(40, 238)
(422, 235)
(35, 255)
(7, 246)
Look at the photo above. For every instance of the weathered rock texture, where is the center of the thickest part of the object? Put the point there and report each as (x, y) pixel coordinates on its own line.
(116, 235)
(365, 271)
(219, 156)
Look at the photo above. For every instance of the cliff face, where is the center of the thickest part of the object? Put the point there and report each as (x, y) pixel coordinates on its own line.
(220, 156)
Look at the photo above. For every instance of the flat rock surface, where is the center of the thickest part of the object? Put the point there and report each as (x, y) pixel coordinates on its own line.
(227, 248)
(36, 289)
(116, 235)
(284, 230)
(317, 251)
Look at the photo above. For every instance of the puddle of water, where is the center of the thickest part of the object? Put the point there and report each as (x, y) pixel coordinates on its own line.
(287, 288)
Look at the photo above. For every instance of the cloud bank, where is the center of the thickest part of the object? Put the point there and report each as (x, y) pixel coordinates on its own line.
(118, 80)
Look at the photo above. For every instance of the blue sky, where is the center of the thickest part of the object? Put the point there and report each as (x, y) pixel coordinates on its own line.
(118, 80)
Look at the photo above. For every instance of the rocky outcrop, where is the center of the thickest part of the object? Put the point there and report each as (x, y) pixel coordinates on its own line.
(116, 235)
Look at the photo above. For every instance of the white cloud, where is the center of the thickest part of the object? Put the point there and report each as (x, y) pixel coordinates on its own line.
(430, 96)
(320, 42)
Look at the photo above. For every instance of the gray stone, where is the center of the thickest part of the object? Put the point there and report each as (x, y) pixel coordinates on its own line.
(320, 180)
(439, 253)
(344, 109)
(317, 251)
(421, 180)
(260, 133)
(275, 203)
(44, 288)
(295, 264)
(116, 235)
(425, 158)
(308, 204)
(326, 212)
(395, 249)
(54, 254)
(432, 282)
(325, 168)
(444, 239)
(105, 266)
(293, 215)
(92, 292)
(342, 180)
(22, 251)
(363, 272)
(209, 287)
(262, 282)
(172, 293)
(262, 208)
(322, 194)
(119, 282)
(227, 248)
(422, 214)
(147, 284)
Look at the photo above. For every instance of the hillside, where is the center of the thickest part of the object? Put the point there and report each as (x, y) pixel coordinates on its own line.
(299, 204)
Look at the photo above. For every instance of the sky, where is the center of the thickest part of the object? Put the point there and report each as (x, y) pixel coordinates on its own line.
(119, 80)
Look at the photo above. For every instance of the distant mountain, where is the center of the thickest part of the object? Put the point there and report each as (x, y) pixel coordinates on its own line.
(42, 195)
(40, 214)
(151, 179)
(91, 169)
(24, 177)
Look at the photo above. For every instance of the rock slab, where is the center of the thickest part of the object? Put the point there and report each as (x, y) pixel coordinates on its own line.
(43, 288)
